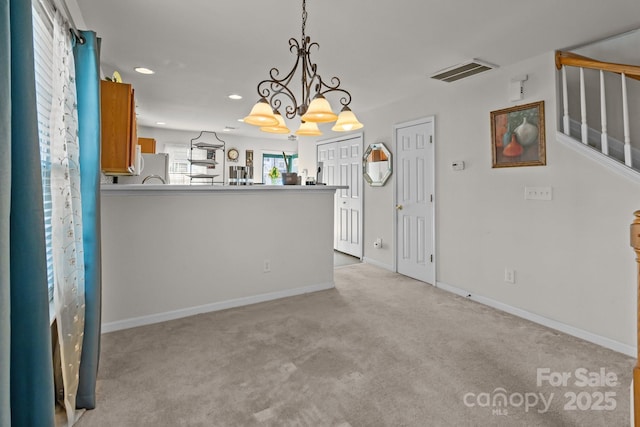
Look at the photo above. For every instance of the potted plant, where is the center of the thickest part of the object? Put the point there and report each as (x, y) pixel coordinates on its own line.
(274, 174)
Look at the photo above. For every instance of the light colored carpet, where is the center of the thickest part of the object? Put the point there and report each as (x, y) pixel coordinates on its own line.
(379, 350)
(341, 259)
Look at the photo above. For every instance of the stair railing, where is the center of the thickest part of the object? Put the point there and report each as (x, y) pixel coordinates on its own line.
(568, 59)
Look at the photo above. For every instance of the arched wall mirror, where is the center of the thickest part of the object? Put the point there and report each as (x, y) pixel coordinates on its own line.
(376, 165)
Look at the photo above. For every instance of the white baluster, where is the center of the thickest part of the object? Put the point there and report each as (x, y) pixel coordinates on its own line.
(583, 109)
(625, 118)
(603, 116)
(565, 101)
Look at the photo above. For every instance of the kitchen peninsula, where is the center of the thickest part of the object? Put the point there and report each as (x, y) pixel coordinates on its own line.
(171, 251)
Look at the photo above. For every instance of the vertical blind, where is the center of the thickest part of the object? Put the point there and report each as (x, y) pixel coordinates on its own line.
(43, 48)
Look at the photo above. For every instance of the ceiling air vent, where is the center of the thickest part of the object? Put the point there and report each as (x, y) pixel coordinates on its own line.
(460, 71)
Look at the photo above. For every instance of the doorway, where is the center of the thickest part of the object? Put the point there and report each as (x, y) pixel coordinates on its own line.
(341, 163)
(415, 200)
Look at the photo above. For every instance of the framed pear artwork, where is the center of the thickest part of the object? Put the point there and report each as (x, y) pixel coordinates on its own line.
(517, 136)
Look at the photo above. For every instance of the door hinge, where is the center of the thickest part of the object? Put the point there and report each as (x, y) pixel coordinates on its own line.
(430, 139)
(431, 257)
(431, 198)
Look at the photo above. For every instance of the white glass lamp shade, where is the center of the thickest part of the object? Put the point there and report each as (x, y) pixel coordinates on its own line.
(319, 111)
(261, 114)
(281, 127)
(308, 129)
(347, 121)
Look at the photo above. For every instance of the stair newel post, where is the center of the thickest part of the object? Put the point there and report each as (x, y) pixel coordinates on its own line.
(635, 243)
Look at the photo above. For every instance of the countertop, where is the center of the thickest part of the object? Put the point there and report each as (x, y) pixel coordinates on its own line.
(163, 188)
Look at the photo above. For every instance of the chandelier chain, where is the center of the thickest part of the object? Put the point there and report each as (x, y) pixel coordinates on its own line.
(304, 17)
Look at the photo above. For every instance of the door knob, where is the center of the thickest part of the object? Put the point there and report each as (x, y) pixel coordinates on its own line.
(399, 207)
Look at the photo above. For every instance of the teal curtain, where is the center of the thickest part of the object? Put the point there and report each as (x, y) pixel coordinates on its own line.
(26, 378)
(5, 209)
(86, 57)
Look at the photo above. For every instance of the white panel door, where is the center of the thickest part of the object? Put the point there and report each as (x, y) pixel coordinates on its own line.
(414, 201)
(327, 158)
(327, 161)
(342, 165)
(349, 200)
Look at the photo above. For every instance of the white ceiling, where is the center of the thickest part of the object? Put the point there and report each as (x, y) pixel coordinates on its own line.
(382, 50)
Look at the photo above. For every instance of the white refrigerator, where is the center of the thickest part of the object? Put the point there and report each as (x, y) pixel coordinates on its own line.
(154, 169)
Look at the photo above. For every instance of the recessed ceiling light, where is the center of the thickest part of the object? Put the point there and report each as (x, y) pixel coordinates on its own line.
(241, 120)
(161, 123)
(143, 70)
(235, 96)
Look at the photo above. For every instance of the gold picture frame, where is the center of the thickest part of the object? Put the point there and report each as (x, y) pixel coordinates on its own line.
(518, 136)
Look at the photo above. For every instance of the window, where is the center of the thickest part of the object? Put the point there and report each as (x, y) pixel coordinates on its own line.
(43, 48)
(271, 160)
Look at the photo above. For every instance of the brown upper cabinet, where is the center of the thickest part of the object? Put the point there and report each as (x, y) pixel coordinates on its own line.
(119, 129)
(148, 145)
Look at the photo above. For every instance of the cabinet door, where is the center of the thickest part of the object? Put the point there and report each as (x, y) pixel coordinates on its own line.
(147, 145)
(118, 121)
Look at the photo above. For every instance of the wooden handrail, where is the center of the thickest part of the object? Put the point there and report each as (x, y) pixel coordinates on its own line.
(575, 60)
(635, 243)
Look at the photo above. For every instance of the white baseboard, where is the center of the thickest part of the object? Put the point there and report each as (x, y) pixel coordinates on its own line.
(378, 264)
(216, 306)
(559, 326)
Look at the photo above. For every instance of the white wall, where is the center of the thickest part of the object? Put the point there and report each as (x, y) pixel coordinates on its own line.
(169, 252)
(571, 255)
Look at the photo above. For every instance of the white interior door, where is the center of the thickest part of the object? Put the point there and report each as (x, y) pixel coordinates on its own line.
(349, 200)
(327, 160)
(414, 200)
(342, 165)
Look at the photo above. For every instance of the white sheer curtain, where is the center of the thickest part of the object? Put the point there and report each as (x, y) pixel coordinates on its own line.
(68, 256)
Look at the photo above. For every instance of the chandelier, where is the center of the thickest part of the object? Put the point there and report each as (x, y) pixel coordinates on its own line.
(275, 92)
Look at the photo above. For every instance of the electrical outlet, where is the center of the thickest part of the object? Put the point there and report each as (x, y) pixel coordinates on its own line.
(267, 266)
(509, 276)
(538, 193)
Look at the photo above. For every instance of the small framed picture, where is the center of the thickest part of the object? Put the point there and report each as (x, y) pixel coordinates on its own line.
(249, 157)
(517, 136)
